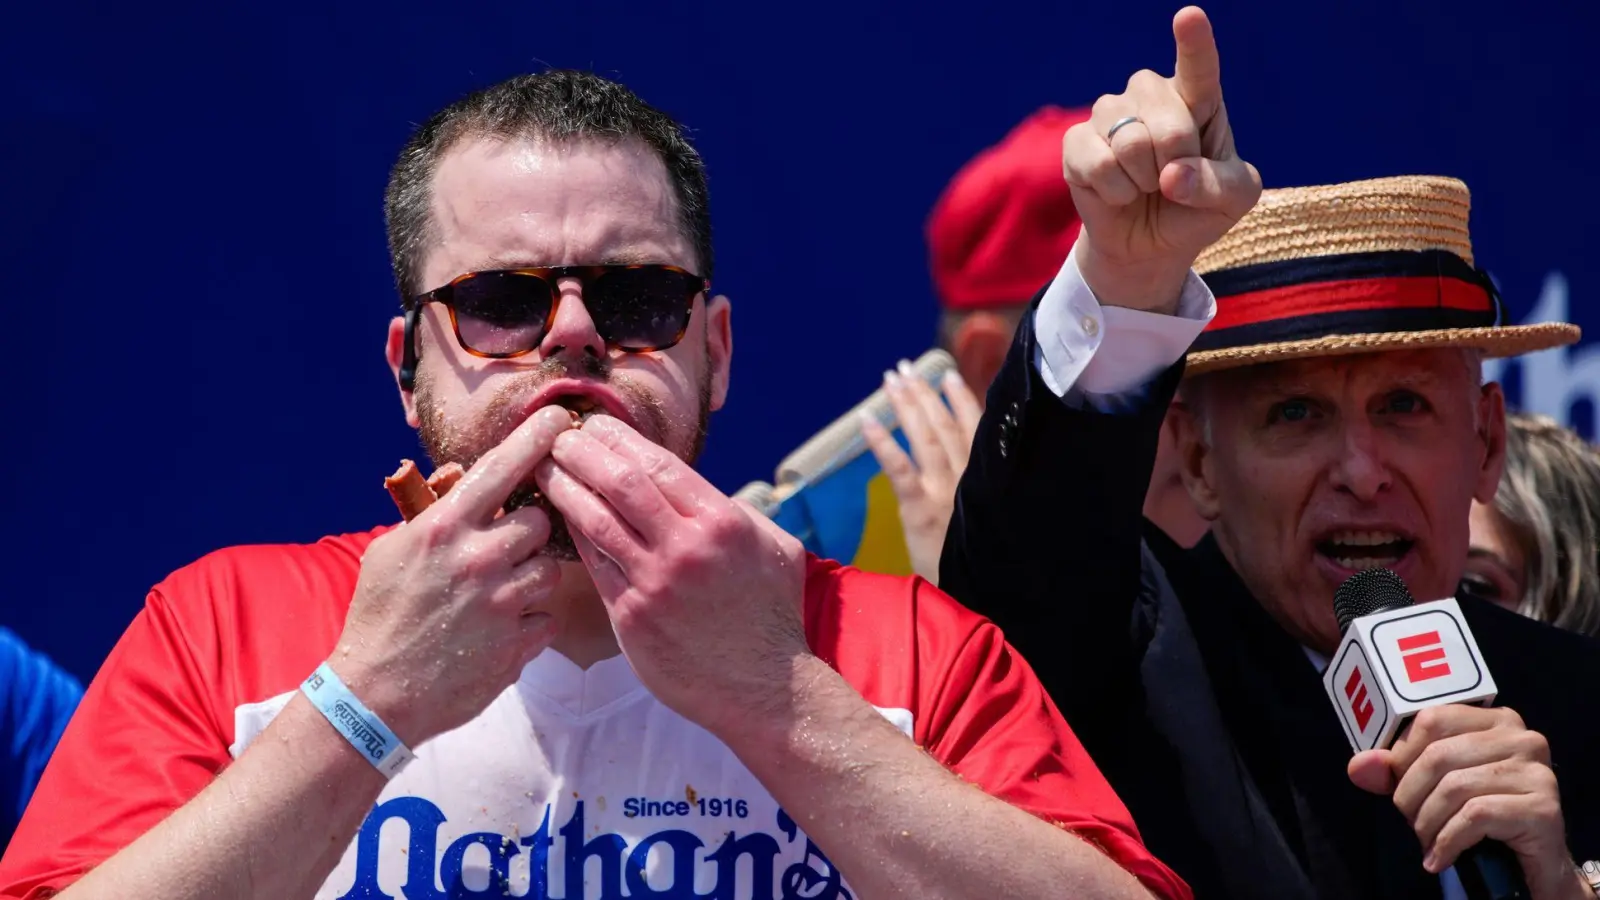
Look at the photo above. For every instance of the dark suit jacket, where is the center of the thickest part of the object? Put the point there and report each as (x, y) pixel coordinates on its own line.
(1210, 721)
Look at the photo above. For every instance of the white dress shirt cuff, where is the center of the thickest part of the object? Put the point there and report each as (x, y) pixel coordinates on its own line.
(1107, 356)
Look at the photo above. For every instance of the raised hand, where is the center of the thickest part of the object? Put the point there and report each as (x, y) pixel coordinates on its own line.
(1156, 177)
(704, 593)
(448, 607)
(925, 481)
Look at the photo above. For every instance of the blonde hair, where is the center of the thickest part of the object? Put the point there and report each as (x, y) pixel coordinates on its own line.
(1550, 495)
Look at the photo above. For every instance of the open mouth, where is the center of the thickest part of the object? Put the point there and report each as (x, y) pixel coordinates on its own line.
(581, 407)
(582, 399)
(1360, 550)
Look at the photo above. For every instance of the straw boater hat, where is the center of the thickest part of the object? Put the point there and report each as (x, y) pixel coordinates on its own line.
(1372, 265)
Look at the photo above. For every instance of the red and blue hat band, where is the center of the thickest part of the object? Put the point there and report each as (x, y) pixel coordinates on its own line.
(1355, 293)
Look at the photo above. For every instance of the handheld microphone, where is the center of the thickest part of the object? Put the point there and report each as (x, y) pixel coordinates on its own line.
(1399, 657)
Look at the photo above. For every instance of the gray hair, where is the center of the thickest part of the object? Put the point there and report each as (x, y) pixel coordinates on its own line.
(1550, 495)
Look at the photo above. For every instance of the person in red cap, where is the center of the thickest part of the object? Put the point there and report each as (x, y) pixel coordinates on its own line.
(1003, 226)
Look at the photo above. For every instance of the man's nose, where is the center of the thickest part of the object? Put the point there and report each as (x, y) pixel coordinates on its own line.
(1360, 469)
(572, 331)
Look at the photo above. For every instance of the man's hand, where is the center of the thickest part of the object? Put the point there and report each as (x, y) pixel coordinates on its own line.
(1163, 187)
(704, 593)
(1463, 774)
(447, 610)
(941, 440)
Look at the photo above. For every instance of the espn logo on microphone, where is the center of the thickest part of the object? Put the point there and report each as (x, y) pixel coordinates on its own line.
(1393, 664)
(1428, 655)
(1363, 708)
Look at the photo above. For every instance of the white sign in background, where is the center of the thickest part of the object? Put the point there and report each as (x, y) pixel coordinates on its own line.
(1553, 380)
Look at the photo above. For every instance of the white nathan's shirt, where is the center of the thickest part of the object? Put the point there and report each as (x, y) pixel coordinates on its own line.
(576, 777)
(571, 784)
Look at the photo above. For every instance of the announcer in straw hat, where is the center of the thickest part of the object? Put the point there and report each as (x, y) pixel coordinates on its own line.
(1334, 418)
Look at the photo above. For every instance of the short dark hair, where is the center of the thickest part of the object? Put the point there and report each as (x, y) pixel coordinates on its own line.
(555, 105)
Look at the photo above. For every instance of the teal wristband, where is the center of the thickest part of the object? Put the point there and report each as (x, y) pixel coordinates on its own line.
(351, 718)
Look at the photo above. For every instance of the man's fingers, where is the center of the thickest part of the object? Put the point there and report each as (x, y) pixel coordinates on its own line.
(1499, 817)
(899, 468)
(1447, 758)
(623, 482)
(965, 404)
(532, 582)
(608, 577)
(941, 422)
(1171, 127)
(773, 529)
(785, 543)
(1088, 163)
(589, 513)
(687, 490)
(919, 432)
(1439, 723)
(1136, 155)
(1459, 787)
(1227, 187)
(1371, 771)
(1198, 73)
(482, 491)
(519, 534)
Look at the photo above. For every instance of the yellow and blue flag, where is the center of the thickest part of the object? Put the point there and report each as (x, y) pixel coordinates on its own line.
(832, 494)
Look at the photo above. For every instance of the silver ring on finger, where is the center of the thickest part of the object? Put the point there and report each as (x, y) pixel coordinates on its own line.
(1118, 125)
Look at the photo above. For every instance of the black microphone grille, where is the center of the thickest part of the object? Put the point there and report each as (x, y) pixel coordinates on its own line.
(1364, 593)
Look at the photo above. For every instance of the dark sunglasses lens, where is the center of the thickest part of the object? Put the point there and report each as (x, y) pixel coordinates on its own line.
(502, 312)
(641, 309)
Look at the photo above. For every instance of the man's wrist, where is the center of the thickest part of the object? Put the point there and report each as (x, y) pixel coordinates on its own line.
(1577, 888)
(366, 731)
(383, 695)
(1566, 882)
(803, 704)
(1150, 286)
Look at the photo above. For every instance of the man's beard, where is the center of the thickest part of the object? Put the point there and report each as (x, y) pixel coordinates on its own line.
(466, 442)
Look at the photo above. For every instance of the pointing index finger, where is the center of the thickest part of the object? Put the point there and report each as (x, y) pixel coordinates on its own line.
(1198, 73)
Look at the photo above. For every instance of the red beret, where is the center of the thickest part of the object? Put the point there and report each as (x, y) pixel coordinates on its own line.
(1003, 226)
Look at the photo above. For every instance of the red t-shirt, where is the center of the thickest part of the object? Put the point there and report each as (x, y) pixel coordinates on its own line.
(222, 643)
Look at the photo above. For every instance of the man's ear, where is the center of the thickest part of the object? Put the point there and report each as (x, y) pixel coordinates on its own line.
(719, 348)
(979, 345)
(395, 351)
(1492, 439)
(1194, 459)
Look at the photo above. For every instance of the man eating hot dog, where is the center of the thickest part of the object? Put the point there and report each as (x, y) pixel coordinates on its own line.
(583, 671)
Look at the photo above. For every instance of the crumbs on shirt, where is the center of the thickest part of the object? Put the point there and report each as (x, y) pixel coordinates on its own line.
(692, 805)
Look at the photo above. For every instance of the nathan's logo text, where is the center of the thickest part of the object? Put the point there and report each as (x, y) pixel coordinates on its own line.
(357, 728)
(586, 857)
(714, 807)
